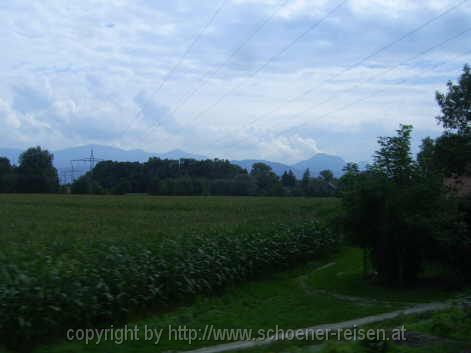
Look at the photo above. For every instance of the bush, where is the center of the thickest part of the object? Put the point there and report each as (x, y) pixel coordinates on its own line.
(86, 185)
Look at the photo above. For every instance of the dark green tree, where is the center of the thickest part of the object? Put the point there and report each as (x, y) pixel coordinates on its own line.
(86, 185)
(452, 150)
(7, 176)
(400, 216)
(288, 179)
(452, 154)
(5, 166)
(244, 185)
(350, 176)
(306, 180)
(426, 157)
(265, 178)
(455, 104)
(394, 157)
(327, 176)
(36, 173)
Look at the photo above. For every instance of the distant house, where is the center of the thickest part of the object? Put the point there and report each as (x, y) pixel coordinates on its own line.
(460, 184)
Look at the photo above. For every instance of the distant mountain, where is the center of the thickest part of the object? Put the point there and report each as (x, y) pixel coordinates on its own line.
(63, 157)
(322, 161)
(179, 154)
(315, 164)
(278, 168)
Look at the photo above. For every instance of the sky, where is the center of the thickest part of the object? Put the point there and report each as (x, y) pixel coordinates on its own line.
(269, 79)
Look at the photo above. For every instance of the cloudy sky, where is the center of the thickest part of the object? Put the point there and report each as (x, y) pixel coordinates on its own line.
(278, 80)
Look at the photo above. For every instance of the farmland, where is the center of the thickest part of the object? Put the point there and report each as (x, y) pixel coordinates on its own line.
(83, 261)
(32, 218)
(73, 262)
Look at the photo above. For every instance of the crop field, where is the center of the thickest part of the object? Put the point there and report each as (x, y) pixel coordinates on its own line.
(84, 261)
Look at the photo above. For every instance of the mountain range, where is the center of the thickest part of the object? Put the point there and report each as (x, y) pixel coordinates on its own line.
(62, 159)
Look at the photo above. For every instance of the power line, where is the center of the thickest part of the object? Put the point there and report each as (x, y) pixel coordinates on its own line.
(91, 160)
(195, 40)
(272, 58)
(192, 44)
(402, 63)
(376, 93)
(212, 72)
(348, 68)
(371, 55)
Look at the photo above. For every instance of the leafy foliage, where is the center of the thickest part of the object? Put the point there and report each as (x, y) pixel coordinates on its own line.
(401, 215)
(7, 176)
(400, 211)
(106, 281)
(394, 159)
(35, 173)
(288, 179)
(192, 177)
(451, 155)
(456, 104)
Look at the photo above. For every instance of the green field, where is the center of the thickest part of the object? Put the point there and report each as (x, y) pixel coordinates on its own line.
(26, 219)
(84, 262)
(309, 295)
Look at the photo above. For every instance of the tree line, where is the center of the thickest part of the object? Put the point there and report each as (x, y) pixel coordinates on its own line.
(401, 209)
(36, 173)
(206, 177)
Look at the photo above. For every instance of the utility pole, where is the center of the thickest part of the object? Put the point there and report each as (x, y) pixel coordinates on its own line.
(92, 161)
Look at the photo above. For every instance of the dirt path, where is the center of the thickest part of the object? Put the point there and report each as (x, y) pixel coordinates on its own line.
(241, 345)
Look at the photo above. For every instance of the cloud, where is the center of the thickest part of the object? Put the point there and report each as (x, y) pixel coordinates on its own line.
(290, 148)
(27, 100)
(389, 9)
(155, 114)
(396, 8)
(8, 117)
(72, 76)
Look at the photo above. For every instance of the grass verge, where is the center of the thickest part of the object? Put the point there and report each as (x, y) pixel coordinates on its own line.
(310, 295)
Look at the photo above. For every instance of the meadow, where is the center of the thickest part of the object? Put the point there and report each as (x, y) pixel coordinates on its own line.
(82, 261)
(33, 219)
(71, 262)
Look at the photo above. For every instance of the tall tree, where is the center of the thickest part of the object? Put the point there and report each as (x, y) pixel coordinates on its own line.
(394, 157)
(36, 172)
(7, 176)
(426, 157)
(265, 178)
(288, 179)
(452, 150)
(350, 176)
(305, 180)
(327, 175)
(5, 166)
(455, 104)
(401, 216)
